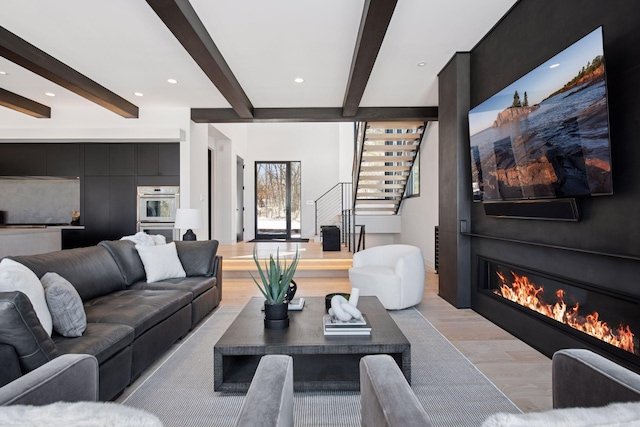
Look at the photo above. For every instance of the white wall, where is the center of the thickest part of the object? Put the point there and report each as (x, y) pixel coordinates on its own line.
(230, 141)
(420, 214)
(315, 145)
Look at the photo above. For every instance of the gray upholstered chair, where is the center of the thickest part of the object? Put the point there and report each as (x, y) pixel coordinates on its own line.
(67, 378)
(393, 273)
(269, 401)
(386, 399)
(583, 381)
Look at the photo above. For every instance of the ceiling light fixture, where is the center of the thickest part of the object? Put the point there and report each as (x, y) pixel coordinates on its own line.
(172, 81)
(138, 93)
(554, 66)
(299, 80)
(422, 63)
(50, 94)
(3, 73)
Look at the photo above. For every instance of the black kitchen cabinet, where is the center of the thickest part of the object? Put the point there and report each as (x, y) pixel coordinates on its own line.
(148, 160)
(23, 159)
(158, 159)
(168, 159)
(122, 206)
(96, 159)
(122, 159)
(63, 159)
(96, 209)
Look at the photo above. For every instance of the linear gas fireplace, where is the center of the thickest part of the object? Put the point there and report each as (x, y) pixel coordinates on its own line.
(598, 318)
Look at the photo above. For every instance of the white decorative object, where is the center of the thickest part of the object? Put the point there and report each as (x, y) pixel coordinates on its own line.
(341, 309)
(354, 297)
(161, 262)
(17, 277)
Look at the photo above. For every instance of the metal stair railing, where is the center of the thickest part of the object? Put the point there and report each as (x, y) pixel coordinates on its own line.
(331, 206)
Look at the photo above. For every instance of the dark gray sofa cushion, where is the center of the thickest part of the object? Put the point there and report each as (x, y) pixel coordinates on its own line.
(126, 256)
(197, 257)
(101, 340)
(196, 285)
(21, 329)
(139, 309)
(92, 271)
(10, 365)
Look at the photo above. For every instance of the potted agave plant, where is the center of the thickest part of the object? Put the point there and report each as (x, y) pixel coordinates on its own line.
(275, 284)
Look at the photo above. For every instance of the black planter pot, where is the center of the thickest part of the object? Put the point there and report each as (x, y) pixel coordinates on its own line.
(276, 316)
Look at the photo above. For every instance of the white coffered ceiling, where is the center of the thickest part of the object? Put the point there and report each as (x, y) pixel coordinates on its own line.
(125, 47)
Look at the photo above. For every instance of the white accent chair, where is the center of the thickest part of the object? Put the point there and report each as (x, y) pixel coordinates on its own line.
(393, 273)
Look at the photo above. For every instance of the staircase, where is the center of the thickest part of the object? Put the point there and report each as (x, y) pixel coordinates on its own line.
(385, 152)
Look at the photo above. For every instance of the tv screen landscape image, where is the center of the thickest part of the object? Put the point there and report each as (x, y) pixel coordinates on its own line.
(547, 134)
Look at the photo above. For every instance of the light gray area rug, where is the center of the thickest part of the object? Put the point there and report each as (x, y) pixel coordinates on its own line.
(452, 390)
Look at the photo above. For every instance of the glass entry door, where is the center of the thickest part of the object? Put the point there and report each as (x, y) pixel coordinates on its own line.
(277, 200)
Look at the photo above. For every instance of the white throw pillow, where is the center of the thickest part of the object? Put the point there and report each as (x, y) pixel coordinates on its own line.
(16, 277)
(614, 415)
(160, 262)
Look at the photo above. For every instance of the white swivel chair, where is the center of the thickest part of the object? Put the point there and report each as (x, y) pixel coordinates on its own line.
(393, 273)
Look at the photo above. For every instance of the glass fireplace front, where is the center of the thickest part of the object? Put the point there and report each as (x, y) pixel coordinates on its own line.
(612, 319)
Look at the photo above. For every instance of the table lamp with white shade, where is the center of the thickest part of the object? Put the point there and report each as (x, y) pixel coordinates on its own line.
(188, 218)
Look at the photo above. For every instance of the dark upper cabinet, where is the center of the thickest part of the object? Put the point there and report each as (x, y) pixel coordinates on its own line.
(23, 159)
(122, 159)
(168, 159)
(63, 159)
(159, 159)
(96, 159)
(148, 160)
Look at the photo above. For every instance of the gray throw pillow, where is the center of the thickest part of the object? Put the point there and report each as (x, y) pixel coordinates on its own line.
(65, 305)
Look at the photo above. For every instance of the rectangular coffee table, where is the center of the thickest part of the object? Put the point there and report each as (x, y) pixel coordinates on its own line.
(319, 362)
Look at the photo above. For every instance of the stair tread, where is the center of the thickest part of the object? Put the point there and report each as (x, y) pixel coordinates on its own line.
(410, 124)
(392, 136)
(386, 159)
(394, 168)
(390, 148)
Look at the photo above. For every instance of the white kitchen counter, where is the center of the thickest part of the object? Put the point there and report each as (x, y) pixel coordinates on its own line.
(32, 241)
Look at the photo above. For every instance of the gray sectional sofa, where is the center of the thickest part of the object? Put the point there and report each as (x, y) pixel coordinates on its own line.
(130, 322)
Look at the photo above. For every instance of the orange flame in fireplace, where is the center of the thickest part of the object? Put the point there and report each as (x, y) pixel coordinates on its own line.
(525, 293)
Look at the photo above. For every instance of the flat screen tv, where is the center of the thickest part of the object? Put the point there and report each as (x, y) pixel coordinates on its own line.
(547, 134)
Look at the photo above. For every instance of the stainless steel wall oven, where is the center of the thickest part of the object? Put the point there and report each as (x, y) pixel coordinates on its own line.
(157, 210)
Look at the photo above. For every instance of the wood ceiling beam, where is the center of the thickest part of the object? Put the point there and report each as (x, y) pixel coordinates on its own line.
(24, 105)
(375, 20)
(182, 20)
(33, 59)
(262, 115)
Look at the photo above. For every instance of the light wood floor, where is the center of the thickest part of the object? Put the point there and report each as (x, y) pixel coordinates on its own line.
(522, 373)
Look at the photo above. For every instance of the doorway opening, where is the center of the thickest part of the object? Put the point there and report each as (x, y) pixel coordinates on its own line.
(278, 200)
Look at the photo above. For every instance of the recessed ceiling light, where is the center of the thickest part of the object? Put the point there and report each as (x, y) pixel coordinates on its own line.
(172, 81)
(554, 66)
(138, 93)
(422, 63)
(3, 73)
(50, 94)
(299, 80)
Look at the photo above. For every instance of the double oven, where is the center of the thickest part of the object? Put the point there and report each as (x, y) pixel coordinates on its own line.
(157, 210)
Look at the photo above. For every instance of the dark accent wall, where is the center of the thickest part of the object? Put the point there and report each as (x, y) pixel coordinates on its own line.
(454, 177)
(603, 248)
